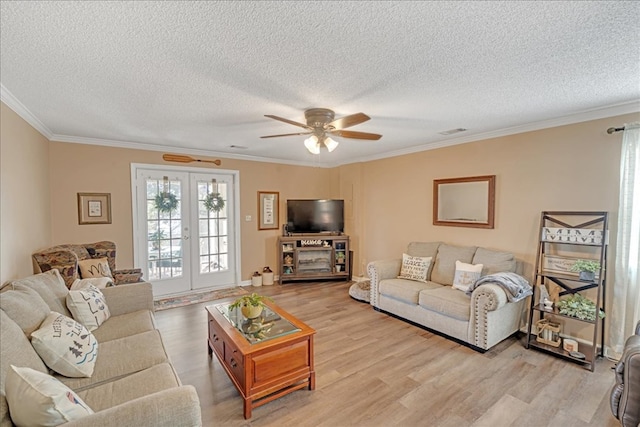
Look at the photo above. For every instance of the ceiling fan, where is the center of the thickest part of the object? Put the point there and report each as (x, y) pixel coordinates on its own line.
(321, 123)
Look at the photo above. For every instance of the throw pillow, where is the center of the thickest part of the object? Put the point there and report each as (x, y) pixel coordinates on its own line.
(98, 282)
(466, 275)
(88, 307)
(98, 267)
(37, 399)
(414, 268)
(65, 346)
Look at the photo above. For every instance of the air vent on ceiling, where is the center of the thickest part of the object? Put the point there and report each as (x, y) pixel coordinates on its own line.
(452, 131)
(238, 147)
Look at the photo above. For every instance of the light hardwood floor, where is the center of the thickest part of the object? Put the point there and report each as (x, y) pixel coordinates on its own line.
(375, 370)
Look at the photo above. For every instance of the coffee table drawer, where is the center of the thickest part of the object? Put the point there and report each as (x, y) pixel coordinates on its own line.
(216, 339)
(234, 360)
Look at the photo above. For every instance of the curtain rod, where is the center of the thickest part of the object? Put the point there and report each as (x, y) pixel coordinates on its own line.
(613, 130)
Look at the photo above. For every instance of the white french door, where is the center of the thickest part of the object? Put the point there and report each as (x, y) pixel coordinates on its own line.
(181, 242)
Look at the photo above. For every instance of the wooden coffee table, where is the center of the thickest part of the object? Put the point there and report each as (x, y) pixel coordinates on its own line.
(266, 358)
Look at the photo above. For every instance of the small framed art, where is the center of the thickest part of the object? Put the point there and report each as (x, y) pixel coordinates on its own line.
(268, 212)
(94, 208)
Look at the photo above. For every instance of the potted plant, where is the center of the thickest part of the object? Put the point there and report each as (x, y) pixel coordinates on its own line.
(250, 305)
(587, 269)
(578, 306)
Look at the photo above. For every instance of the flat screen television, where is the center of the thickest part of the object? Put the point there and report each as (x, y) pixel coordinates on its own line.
(315, 216)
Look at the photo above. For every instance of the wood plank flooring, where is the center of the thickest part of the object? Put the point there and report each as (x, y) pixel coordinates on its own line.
(375, 370)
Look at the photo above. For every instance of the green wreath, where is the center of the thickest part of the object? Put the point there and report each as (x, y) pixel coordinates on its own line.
(214, 202)
(166, 202)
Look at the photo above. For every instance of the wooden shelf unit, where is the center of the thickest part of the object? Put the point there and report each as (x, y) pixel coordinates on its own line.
(578, 230)
(313, 256)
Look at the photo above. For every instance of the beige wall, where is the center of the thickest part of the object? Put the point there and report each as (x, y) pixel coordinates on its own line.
(574, 167)
(77, 168)
(24, 191)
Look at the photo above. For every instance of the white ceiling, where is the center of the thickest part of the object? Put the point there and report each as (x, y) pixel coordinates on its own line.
(197, 77)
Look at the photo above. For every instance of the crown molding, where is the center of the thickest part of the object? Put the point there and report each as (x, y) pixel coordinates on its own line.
(19, 108)
(583, 116)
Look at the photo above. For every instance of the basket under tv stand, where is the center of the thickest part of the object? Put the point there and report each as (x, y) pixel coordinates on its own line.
(314, 256)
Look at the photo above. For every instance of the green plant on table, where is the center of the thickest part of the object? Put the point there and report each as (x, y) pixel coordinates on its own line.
(253, 300)
(580, 307)
(585, 265)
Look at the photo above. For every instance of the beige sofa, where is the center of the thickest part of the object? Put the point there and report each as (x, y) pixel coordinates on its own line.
(480, 320)
(133, 381)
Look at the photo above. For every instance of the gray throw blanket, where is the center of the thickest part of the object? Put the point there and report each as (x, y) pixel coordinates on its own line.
(515, 286)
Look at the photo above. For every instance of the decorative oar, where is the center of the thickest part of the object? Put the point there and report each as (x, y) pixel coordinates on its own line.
(187, 159)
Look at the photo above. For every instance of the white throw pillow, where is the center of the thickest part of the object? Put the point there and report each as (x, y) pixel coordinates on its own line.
(37, 399)
(65, 346)
(414, 268)
(88, 306)
(94, 267)
(466, 275)
(98, 282)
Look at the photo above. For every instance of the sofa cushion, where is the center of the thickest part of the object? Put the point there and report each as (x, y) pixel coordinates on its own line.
(94, 267)
(494, 261)
(447, 301)
(445, 263)
(19, 353)
(121, 357)
(424, 249)
(38, 399)
(156, 378)
(466, 275)
(66, 346)
(125, 325)
(404, 290)
(414, 268)
(51, 287)
(24, 306)
(88, 307)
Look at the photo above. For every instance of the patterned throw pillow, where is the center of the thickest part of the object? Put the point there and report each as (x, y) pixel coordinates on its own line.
(88, 306)
(65, 346)
(37, 399)
(94, 267)
(466, 275)
(414, 268)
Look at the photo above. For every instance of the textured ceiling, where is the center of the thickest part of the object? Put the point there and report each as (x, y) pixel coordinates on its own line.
(198, 77)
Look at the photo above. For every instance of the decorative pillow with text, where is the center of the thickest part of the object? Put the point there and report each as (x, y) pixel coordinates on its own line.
(414, 268)
(37, 399)
(94, 267)
(65, 346)
(88, 306)
(466, 275)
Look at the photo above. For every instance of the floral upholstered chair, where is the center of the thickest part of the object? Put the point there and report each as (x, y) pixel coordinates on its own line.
(69, 258)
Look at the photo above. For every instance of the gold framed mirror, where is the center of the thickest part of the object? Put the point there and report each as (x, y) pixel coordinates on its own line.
(464, 202)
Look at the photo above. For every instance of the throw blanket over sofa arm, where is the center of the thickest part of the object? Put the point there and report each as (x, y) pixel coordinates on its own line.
(625, 395)
(380, 270)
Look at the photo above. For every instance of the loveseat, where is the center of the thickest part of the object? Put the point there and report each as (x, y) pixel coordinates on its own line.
(67, 258)
(132, 380)
(480, 318)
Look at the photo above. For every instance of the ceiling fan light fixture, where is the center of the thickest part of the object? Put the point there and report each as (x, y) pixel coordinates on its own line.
(312, 144)
(330, 144)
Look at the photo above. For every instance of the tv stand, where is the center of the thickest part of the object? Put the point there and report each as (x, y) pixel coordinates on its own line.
(313, 256)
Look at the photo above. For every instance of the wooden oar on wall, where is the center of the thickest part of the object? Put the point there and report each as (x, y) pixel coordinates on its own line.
(187, 159)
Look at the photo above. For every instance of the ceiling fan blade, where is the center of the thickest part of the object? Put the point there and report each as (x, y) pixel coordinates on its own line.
(287, 134)
(348, 121)
(291, 122)
(356, 135)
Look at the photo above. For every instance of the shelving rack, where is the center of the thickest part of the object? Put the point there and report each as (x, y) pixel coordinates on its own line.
(567, 231)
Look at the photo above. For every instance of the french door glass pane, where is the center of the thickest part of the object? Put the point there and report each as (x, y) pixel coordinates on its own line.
(164, 231)
(212, 228)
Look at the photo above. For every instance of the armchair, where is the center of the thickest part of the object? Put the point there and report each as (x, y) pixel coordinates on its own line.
(65, 258)
(625, 394)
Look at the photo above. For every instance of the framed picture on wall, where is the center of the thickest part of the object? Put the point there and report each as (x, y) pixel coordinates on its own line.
(94, 208)
(268, 212)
